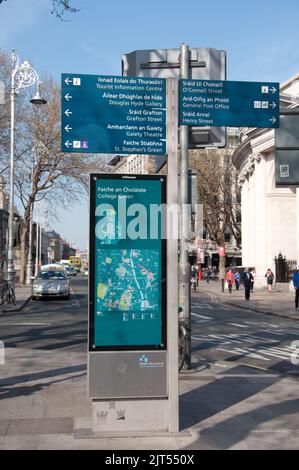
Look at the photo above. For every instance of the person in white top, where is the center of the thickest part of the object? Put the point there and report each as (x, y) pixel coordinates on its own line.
(252, 279)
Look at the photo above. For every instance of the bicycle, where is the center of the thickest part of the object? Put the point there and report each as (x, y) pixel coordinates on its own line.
(7, 293)
(184, 335)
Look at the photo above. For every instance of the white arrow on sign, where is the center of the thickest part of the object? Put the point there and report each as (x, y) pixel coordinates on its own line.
(68, 97)
(272, 105)
(68, 112)
(273, 120)
(68, 128)
(273, 89)
(68, 80)
(68, 144)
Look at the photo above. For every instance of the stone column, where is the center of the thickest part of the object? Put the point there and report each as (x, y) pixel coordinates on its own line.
(260, 258)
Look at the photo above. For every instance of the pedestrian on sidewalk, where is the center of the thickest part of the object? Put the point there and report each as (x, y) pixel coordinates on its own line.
(296, 286)
(196, 274)
(247, 283)
(208, 275)
(270, 277)
(237, 278)
(253, 277)
(230, 280)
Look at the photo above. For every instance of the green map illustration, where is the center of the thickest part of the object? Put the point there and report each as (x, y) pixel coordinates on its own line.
(127, 280)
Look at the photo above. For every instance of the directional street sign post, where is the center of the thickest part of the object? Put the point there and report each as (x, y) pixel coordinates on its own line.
(229, 103)
(109, 114)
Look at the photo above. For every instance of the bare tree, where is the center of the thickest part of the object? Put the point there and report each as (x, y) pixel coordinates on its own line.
(59, 178)
(217, 180)
(60, 7)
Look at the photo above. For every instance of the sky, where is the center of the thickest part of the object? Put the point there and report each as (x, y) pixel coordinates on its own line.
(260, 37)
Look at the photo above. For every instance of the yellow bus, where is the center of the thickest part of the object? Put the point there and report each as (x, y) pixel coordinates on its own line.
(75, 261)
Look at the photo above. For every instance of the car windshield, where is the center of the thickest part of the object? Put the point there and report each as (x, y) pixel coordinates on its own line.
(51, 275)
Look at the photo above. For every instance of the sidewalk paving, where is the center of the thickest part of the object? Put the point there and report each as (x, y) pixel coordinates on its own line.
(279, 303)
(222, 406)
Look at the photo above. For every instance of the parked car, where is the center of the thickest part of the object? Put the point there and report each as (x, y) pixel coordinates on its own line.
(85, 272)
(51, 281)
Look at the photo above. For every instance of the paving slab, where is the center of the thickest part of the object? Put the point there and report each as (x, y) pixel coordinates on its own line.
(4, 423)
(40, 426)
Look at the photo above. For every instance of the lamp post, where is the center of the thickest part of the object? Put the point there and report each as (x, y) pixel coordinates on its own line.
(29, 259)
(22, 76)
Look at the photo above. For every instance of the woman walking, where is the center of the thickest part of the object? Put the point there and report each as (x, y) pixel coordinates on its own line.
(270, 277)
(230, 280)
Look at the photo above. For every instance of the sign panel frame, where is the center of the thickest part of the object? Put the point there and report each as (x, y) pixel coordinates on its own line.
(287, 149)
(162, 346)
(205, 63)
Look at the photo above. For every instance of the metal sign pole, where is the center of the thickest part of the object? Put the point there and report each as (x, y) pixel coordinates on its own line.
(184, 267)
(172, 254)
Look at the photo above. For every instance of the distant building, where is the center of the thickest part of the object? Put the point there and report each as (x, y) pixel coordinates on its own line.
(67, 250)
(83, 256)
(3, 227)
(136, 164)
(55, 247)
(4, 215)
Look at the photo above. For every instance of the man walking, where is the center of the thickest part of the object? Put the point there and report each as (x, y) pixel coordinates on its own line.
(296, 285)
(247, 283)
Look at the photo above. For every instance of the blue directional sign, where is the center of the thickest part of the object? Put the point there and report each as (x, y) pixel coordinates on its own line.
(229, 103)
(110, 114)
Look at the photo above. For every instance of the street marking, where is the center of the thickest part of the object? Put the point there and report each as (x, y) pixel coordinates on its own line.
(267, 340)
(273, 430)
(201, 316)
(23, 324)
(279, 356)
(237, 324)
(273, 332)
(203, 305)
(75, 301)
(244, 352)
(296, 333)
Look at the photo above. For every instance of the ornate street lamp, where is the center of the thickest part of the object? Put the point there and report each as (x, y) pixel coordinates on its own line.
(22, 76)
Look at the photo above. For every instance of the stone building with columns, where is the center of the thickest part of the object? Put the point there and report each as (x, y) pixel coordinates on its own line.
(270, 214)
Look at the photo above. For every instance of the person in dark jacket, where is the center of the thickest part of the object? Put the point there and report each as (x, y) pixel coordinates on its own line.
(270, 278)
(296, 286)
(247, 279)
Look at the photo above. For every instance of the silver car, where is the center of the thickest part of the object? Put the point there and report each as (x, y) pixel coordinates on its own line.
(51, 283)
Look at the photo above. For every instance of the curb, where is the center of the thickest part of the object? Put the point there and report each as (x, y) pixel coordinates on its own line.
(250, 307)
(259, 310)
(18, 309)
